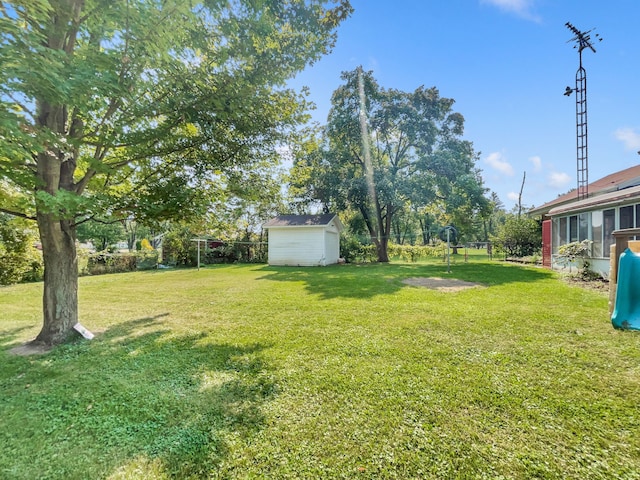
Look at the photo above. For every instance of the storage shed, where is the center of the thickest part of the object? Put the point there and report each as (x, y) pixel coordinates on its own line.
(304, 240)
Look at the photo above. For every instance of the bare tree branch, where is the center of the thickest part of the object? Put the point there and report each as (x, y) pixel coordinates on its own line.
(17, 214)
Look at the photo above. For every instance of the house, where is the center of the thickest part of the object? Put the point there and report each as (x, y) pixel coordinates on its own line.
(304, 240)
(613, 203)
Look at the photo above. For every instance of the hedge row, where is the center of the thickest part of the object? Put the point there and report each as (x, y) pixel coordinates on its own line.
(413, 253)
(102, 262)
(354, 251)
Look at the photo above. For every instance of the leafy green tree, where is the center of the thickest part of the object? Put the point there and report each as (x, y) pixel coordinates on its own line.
(308, 189)
(178, 245)
(417, 156)
(244, 203)
(518, 236)
(493, 217)
(20, 261)
(405, 226)
(120, 108)
(101, 235)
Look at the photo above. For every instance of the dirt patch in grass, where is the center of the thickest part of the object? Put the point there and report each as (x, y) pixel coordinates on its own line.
(31, 348)
(600, 285)
(441, 284)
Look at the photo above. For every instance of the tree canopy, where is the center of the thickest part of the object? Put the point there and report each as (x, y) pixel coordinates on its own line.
(119, 108)
(418, 160)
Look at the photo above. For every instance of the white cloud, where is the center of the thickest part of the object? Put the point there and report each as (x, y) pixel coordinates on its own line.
(629, 136)
(537, 163)
(521, 8)
(513, 196)
(558, 179)
(497, 161)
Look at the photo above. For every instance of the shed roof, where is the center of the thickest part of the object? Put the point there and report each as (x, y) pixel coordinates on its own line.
(629, 177)
(319, 220)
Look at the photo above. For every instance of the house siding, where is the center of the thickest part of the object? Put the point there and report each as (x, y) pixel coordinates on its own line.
(297, 246)
(596, 225)
(613, 203)
(332, 246)
(304, 240)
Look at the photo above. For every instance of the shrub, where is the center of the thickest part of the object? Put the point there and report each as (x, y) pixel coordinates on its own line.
(413, 253)
(587, 274)
(351, 249)
(179, 248)
(145, 244)
(83, 261)
(570, 252)
(104, 262)
(238, 252)
(518, 237)
(147, 259)
(354, 251)
(369, 253)
(20, 261)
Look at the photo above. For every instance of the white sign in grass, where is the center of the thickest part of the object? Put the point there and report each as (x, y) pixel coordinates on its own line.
(83, 331)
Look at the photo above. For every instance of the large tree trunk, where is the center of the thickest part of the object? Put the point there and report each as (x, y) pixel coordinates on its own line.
(60, 298)
(55, 173)
(380, 241)
(425, 233)
(56, 225)
(383, 254)
(385, 229)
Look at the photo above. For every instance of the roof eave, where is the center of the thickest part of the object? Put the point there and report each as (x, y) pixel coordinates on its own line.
(610, 199)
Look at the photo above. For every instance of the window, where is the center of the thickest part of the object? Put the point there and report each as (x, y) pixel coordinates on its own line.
(596, 232)
(562, 230)
(573, 228)
(626, 217)
(555, 229)
(597, 226)
(583, 226)
(608, 226)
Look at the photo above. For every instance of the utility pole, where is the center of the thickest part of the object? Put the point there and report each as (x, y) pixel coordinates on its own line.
(583, 40)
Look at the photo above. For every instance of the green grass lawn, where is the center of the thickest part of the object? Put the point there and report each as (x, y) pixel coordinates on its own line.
(336, 372)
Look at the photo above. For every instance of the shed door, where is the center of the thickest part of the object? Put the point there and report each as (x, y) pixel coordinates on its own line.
(546, 243)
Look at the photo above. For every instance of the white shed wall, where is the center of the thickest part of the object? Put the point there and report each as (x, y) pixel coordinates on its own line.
(332, 246)
(297, 246)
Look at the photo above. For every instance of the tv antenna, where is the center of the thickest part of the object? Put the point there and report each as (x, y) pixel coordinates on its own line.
(583, 40)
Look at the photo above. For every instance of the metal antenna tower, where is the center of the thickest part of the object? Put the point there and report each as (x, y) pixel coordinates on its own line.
(583, 40)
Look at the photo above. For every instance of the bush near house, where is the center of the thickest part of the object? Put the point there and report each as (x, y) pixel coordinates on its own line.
(573, 251)
(355, 251)
(518, 237)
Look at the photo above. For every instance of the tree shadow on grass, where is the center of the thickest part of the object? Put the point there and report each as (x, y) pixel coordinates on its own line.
(370, 280)
(9, 337)
(128, 401)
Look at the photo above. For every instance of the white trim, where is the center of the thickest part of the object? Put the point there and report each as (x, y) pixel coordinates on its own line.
(606, 200)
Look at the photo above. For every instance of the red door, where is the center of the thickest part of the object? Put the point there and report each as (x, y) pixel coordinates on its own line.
(546, 243)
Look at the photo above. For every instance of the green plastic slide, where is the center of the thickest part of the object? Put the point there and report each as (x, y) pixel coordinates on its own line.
(626, 313)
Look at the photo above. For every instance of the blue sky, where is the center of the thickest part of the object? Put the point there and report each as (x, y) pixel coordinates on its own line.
(506, 63)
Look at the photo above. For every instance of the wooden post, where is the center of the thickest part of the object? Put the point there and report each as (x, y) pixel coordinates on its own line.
(613, 278)
(622, 242)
